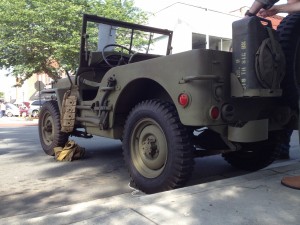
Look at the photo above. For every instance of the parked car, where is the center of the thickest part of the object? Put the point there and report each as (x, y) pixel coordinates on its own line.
(11, 110)
(34, 107)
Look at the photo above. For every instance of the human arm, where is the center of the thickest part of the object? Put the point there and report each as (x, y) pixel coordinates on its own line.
(256, 6)
(259, 4)
(284, 8)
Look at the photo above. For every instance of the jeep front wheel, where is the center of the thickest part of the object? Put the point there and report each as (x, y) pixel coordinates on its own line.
(49, 128)
(156, 147)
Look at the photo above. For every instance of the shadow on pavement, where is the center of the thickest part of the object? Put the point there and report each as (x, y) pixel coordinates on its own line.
(32, 181)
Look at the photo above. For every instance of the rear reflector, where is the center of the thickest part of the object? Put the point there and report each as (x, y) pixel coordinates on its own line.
(183, 100)
(214, 112)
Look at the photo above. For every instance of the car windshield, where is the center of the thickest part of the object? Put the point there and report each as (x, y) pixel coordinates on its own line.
(103, 37)
(106, 35)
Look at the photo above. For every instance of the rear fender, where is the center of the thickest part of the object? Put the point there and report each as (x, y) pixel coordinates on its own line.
(197, 73)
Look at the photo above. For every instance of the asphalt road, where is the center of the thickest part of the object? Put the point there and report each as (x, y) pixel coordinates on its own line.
(32, 181)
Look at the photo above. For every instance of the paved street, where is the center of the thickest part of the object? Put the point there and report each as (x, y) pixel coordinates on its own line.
(32, 181)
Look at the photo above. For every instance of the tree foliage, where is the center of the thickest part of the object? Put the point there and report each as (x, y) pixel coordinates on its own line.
(42, 36)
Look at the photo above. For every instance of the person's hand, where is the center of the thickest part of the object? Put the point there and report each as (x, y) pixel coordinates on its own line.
(269, 12)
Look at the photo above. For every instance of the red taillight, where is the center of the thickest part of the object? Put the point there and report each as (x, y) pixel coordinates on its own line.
(183, 99)
(214, 112)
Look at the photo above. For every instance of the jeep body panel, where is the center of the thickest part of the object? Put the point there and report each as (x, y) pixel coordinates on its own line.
(205, 76)
(169, 73)
(166, 78)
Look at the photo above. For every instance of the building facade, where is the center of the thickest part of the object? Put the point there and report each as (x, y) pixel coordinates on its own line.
(29, 91)
(196, 27)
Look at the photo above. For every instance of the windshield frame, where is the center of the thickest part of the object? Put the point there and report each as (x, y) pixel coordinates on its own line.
(134, 27)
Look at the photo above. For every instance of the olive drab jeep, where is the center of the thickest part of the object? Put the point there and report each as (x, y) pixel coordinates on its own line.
(169, 108)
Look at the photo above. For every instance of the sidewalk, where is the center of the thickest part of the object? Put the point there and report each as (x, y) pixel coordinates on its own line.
(254, 199)
(17, 121)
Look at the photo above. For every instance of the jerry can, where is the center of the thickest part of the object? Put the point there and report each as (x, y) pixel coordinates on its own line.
(258, 61)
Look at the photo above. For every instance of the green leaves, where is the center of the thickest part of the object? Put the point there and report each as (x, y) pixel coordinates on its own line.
(42, 36)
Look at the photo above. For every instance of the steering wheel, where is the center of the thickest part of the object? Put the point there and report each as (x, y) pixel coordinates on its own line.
(116, 57)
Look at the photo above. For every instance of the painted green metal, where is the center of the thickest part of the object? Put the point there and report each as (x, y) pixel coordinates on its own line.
(106, 95)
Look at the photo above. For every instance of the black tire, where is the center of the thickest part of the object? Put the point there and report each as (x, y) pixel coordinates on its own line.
(255, 156)
(156, 147)
(50, 128)
(289, 36)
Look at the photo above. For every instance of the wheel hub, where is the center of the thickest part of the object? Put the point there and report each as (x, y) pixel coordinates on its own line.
(149, 147)
(48, 127)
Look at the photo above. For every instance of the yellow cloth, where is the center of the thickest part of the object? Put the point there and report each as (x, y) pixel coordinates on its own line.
(70, 152)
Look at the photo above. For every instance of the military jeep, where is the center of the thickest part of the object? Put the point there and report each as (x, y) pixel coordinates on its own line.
(168, 108)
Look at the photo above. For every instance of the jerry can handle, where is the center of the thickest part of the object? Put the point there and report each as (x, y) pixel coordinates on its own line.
(269, 23)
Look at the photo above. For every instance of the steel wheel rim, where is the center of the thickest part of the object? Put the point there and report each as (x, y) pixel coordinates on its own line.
(148, 148)
(47, 129)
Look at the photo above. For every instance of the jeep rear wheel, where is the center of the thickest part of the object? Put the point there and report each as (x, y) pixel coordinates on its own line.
(255, 156)
(50, 128)
(156, 147)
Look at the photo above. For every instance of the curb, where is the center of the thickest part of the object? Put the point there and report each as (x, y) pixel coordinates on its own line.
(249, 199)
